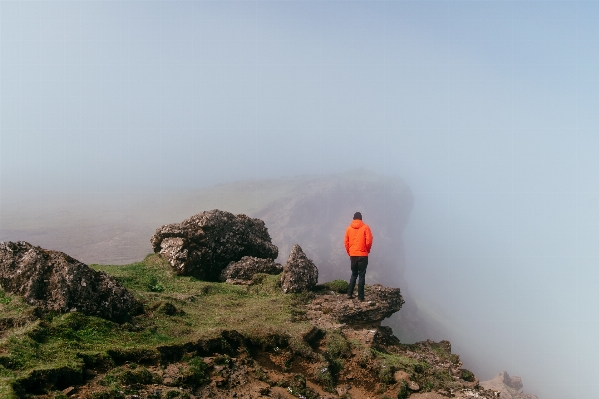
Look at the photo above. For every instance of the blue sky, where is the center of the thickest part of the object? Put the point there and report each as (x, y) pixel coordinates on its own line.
(488, 109)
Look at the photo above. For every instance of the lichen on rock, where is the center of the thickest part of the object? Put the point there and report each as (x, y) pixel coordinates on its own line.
(299, 273)
(53, 281)
(203, 245)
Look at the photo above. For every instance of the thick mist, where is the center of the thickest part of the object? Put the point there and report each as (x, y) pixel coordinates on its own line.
(486, 109)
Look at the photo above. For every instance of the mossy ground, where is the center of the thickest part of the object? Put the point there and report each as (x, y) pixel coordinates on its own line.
(178, 310)
(195, 337)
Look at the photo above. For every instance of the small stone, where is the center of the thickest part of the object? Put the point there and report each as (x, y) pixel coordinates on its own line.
(412, 386)
(218, 380)
(68, 391)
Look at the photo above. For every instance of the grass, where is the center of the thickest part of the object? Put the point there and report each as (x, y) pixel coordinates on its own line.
(51, 353)
(338, 286)
(391, 362)
(178, 310)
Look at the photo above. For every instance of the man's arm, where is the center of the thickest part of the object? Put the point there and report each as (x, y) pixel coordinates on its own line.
(368, 237)
(346, 242)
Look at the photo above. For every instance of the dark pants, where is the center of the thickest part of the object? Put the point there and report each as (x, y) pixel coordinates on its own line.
(358, 269)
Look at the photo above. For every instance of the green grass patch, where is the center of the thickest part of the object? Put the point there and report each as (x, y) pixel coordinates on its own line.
(4, 298)
(6, 390)
(389, 363)
(338, 286)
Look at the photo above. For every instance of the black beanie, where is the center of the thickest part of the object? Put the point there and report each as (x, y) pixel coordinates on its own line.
(357, 215)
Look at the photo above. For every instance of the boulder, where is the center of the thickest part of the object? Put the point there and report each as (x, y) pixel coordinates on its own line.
(203, 245)
(242, 271)
(53, 281)
(299, 274)
(381, 302)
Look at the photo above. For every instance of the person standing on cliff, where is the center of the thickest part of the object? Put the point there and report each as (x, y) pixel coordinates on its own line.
(358, 241)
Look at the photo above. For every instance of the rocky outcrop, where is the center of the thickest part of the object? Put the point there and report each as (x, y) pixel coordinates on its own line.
(53, 281)
(381, 302)
(299, 274)
(242, 271)
(203, 245)
(508, 386)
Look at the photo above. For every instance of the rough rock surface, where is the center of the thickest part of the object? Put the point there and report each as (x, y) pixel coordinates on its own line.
(381, 302)
(203, 245)
(242, 271)
(54, 281)
(508, 386)
(299, 274)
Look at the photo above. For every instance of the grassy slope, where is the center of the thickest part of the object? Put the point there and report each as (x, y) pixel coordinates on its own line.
(54, 351)
(202, 311)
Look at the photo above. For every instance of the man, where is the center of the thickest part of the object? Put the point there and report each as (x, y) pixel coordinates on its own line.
(358, 241)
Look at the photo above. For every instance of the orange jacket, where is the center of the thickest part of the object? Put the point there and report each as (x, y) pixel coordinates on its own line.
(358, 238)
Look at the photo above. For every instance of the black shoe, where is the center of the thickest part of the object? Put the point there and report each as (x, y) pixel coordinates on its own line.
(361, 299)
(350, 297)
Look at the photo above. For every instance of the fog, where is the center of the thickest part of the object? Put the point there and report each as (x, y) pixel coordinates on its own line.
(487, 109)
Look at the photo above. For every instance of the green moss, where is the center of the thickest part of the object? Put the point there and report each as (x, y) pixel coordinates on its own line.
(337, 345)
(196, 373)
(4, 298)
(6, 388)
(467, 375)
(325, 376)
(397, 362)
(131, 375)
(297, 387)
(139, 375)
(403, 390)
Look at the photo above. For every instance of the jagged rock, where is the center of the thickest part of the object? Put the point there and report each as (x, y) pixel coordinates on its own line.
(203, 245)
(299, 274)
(242, 271)
(507, 386)
(381, 302)
(54, 281)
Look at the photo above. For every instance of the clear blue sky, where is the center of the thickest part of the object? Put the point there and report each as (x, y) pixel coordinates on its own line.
(488, 109)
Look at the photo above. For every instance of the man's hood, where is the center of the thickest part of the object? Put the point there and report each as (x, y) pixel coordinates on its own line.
(356, 223)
